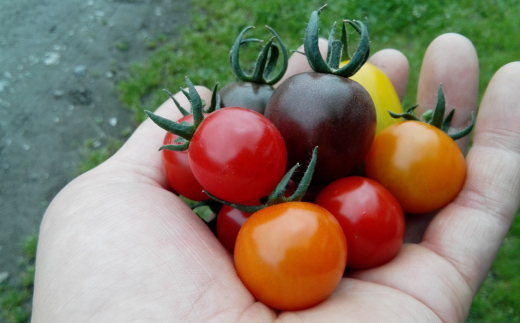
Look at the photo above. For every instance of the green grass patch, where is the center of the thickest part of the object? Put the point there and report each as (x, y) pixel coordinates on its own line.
(201, 53)
(16, 294)
(499, 298)
(122, 45)
(95, 152)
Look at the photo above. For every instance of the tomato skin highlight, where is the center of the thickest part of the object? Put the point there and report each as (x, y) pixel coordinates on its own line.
(334, 113)
(419, 164)
(382, 92)
(237, 155)
(371, 218)
(177, 169)
(291, 256)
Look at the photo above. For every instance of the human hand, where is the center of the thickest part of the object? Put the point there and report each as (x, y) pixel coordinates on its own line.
(116, 246)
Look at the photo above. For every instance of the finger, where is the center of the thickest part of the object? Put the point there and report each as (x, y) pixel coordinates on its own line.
(469, 232)
(451, 60)
(395, 66)
(426, 277)
(298, 62)
(140, 154)
(355, 301)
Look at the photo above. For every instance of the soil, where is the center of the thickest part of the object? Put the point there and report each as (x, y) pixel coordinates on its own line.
(59, 64)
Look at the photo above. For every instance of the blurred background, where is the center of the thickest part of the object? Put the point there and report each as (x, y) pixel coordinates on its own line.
(76, 76)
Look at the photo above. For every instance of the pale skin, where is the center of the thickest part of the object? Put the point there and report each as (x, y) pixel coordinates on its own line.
(116, 246)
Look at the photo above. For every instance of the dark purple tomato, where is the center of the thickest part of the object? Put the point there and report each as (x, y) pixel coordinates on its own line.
(334, 113)
(249, 95)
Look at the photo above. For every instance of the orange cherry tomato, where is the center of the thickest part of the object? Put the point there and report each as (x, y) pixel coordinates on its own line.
(291, 256)
(419, 164)
(382, 92)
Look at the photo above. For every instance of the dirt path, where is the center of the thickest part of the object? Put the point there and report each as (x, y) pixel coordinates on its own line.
(59, 63)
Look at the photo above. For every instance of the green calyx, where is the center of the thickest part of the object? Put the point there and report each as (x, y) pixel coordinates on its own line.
(266, 61)
(186, 130)
(278, 194)
(336, 47)
(436, 117)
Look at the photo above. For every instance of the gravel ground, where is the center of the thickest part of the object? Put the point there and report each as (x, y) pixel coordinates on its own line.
(59, 63)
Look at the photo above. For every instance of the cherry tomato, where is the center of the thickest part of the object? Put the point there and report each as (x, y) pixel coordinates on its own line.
(253, 91)
(325, 108)
(419, 164)
(291, 256)
(382, 92)
(371, 218)
(177, 169)
(334, 113)
(237, 155)
(250, 95)
(229, 222)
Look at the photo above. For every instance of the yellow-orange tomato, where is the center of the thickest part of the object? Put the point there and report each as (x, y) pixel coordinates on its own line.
(381, 91)
(419, 164)
(291, 256)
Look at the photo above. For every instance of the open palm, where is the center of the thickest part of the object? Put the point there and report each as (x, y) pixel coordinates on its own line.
(116, 246)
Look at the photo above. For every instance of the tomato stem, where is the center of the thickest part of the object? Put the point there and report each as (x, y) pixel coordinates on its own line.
(182, 130)
(278, 194)
(181, 109)
(435, 117)
(215, 100)
(336, 48)
(265, 62)
(273, 60)
(215, 207)
(212, 204)
(440, 108)
(186, 130)
(344, 41)
(331, 40)
(306, 179)
(360, 55)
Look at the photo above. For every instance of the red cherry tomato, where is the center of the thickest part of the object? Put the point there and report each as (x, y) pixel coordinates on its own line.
(291, 256)
(237, 155)
(177, 169)
(419, 164)
(371, 218)
(229, 222)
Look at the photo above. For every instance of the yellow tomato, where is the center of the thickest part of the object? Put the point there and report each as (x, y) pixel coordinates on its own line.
(381, 91)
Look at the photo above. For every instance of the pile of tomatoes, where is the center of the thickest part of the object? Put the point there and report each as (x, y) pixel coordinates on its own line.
(293, 233)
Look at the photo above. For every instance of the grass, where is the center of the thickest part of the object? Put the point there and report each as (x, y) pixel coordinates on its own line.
(499, 298)
(16, 294)
(122, 45)
(94, 153)
(201, 54)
